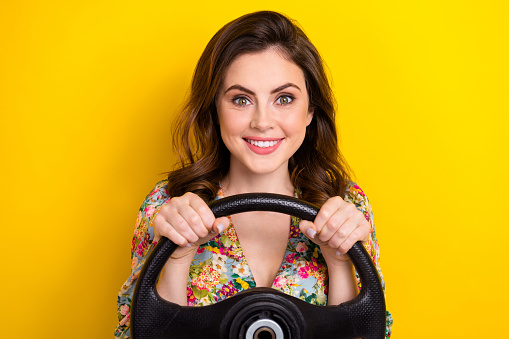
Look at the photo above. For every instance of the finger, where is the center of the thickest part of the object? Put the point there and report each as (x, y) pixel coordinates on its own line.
(194, 221)
(160, 222)
(166, 230)
(345, 211)
(327, 211)
(347, 244)
(333, 224)
(181, 225)
(342, 233)
(203, 210)
(220, 224)
(308, 228)
(360, 233)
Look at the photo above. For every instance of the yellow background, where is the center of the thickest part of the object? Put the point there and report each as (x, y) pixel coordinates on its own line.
(89, 90)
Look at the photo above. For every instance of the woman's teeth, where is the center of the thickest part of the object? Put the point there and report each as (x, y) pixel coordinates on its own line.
(263, 144)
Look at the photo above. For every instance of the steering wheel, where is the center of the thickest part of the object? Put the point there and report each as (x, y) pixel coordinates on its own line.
(258, 312)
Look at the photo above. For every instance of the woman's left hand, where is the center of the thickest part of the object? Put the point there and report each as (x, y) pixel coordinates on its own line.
(336, 228)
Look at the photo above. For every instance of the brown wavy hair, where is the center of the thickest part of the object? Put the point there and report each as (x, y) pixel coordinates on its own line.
(317, 168)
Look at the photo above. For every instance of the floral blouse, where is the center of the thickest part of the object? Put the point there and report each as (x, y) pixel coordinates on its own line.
(220, 270)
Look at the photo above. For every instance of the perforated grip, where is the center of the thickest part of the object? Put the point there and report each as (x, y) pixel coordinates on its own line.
(154, 317)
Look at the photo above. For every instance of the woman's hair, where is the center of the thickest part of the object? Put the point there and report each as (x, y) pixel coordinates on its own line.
(317, 168)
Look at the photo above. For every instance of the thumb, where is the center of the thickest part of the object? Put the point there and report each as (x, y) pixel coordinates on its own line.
(220, 224)
(308, 228)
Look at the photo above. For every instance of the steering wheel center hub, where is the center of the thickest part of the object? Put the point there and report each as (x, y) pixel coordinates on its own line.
(260, 316)
(264, 329)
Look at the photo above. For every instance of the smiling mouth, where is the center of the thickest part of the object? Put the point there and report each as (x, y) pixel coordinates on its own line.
(263, 144)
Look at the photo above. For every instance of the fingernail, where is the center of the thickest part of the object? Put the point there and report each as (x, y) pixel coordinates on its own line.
(311, 233)
(338, 253)
(220, 228)
(188, 245)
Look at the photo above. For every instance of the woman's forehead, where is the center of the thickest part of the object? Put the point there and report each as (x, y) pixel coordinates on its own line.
(267, 69)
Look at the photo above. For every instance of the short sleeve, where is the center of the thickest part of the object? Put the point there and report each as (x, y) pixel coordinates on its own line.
(355, 195)
(142, 244)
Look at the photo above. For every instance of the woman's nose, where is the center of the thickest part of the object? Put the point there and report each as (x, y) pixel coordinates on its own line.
(262, 118)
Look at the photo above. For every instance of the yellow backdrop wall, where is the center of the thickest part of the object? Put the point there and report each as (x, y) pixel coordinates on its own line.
(89, 91)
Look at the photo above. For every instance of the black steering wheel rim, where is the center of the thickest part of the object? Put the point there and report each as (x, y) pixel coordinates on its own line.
(155, 317)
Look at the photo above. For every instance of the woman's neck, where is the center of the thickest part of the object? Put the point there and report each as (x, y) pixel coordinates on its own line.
(238, 181)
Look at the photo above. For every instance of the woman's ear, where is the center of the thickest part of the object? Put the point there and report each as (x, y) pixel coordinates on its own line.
(309, 117)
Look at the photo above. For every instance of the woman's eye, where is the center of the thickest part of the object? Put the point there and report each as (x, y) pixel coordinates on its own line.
(284, 99)
(242, 101)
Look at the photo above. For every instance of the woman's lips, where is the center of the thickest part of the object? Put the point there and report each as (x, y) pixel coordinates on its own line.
(263, 146)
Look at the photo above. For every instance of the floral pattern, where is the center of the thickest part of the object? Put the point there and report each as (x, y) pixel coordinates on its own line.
(219, 269)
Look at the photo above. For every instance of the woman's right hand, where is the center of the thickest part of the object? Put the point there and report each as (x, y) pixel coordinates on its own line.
(188, 222)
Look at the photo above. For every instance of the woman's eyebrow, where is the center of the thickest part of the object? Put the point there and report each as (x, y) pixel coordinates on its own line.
(239, 87)
(280, 88)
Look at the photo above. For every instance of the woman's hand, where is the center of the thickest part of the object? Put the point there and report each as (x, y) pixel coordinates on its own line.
(336, 228)
(188, 222)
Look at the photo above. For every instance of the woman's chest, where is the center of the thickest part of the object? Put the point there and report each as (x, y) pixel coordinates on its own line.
(220, 269)
(263, 237)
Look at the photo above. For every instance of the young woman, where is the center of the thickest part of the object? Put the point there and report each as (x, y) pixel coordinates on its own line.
(260, 118)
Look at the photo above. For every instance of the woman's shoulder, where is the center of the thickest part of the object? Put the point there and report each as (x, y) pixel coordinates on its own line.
(355, 195)
(158, 194)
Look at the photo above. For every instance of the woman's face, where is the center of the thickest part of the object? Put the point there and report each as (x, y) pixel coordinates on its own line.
(263, 111)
